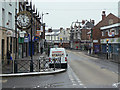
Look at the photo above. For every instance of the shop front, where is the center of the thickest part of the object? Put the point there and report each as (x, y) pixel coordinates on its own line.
(113, 46)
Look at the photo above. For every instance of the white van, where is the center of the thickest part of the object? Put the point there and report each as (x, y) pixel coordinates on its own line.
(58, 53)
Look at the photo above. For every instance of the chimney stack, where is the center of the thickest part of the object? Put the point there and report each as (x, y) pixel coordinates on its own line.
(103, 15)
(93, 22)
(83, 22)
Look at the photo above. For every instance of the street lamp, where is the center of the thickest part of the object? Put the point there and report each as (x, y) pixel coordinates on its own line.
(43, 15)
(43, 27)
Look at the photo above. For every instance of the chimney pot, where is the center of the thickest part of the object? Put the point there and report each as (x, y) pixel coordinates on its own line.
(83, 21)
(103, 15)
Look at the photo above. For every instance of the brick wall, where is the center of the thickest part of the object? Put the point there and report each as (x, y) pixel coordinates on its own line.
(97, 34)
(84, 35)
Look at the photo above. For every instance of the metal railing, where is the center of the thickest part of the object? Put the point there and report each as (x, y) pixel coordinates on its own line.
(23, 66)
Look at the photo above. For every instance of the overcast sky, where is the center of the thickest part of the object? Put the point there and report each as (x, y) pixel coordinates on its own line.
(63, 12)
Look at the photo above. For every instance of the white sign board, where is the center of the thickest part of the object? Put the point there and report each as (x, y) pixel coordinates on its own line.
(22, 34)
(9, 33)
(111, 40)
(111, 34)
(95, 41)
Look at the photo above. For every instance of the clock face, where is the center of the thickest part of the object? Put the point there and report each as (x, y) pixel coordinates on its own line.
(23, 21)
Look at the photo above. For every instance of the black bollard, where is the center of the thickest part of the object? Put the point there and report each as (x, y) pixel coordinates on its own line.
(15, 67)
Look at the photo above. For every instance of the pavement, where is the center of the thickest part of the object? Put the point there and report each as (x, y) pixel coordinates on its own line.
(8, 68)
(34, 73)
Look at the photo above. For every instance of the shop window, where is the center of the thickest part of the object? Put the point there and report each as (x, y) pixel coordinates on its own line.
(116, 48)
(116, 31)
(104, 48)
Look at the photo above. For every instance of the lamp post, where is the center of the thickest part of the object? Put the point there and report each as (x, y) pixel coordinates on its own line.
(107, 48)
(31, 63)
(43, 27)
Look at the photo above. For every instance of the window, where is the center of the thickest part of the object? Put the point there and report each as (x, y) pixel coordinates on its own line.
(3, 17)
(64, 32)
(106, 33)
(10, 20)
(117, 31)
(66, 38)
(58, 38)
(110, 21)
(63, 38)
(102, 33)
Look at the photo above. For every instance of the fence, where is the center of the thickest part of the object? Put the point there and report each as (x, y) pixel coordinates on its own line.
(23, 66)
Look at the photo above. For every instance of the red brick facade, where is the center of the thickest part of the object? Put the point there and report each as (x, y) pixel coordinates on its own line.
(97, 34)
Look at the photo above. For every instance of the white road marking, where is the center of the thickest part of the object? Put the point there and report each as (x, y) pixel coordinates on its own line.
(14, 87)
(74, 80)
(80, 84)
(74, 84)
(79, 81)
(115, 84)
(38, 86)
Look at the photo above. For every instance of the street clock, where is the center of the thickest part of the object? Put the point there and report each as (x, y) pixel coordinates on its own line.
(24, 20)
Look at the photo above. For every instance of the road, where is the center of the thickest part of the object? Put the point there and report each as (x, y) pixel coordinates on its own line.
(83, 72)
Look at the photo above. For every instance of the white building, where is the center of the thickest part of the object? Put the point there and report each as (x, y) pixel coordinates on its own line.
(58, 36)
(52, 37)
(65, 36)
(7, 27)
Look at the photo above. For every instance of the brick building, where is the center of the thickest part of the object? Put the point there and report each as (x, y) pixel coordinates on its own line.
(103, 29)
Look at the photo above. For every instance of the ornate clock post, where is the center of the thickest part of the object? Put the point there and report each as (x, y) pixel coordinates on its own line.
(24, 22)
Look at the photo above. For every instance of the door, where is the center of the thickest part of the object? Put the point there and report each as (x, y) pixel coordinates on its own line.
(3, 50)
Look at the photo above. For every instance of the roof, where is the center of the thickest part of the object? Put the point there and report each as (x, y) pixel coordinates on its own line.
(99, 23)
(86, 25)
(110, 26)
(54, 32)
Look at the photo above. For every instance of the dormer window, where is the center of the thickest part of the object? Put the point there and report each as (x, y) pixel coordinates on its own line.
(110, 21)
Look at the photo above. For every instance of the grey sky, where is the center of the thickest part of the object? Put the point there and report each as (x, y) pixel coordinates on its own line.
(62, 14)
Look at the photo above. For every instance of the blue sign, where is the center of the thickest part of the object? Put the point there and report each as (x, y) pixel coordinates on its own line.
(97, 48)
(26, 40)
(36, 38)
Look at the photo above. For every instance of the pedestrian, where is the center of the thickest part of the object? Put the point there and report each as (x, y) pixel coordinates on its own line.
(8, 57)
(48, 50)
(41, 50)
